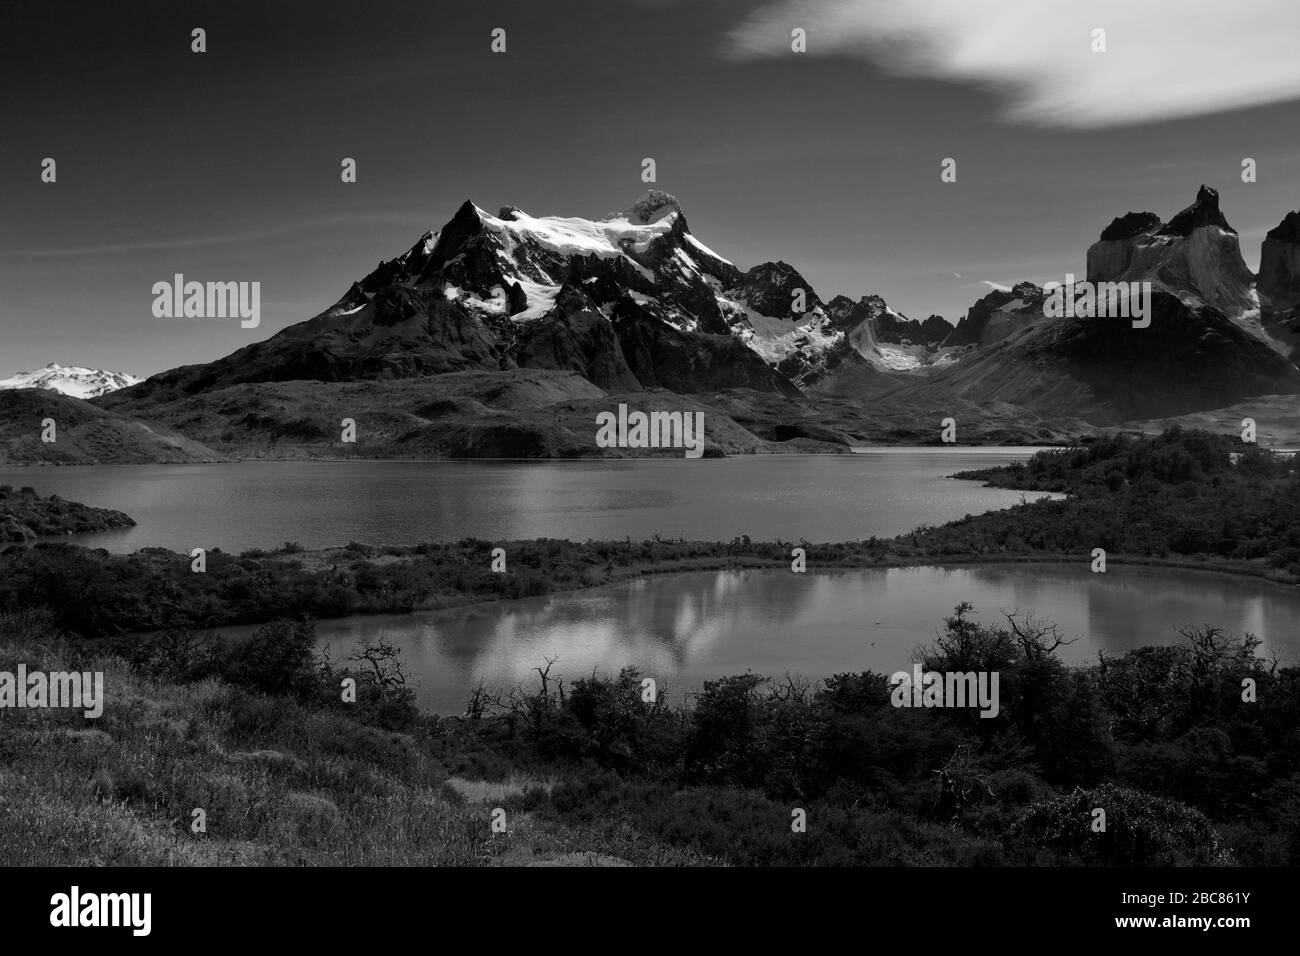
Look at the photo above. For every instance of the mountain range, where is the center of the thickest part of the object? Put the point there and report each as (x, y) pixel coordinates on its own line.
(1217, 336)
(71, 380)
(503, 335)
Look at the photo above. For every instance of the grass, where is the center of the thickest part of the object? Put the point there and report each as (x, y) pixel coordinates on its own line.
(280, 784)
(596, 778)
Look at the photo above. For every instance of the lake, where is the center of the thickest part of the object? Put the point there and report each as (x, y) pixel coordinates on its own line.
(687, 628)
(243, 505)
(681, 629)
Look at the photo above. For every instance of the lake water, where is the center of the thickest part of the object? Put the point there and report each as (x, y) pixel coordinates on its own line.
(684, 629)
(244, 505)
(681, 629)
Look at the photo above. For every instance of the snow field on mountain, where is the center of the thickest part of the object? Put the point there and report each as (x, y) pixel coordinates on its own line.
(580, 237)
(72, 380)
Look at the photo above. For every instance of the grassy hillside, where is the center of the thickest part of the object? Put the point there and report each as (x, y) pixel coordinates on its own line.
(521, 413)
(85, 434)
(282, 778)
(1277, 420)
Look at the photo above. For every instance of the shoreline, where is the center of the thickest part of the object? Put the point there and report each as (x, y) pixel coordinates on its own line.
(837, 452)
(840, 451)
(1140, 522)
(707, 565)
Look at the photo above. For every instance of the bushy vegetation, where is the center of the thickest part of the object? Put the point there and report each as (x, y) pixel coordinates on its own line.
(95, 593)
(1188, 771)
(259, 735)
(1186, 496)
(1184, 493)
(1159, 738)
(26, 516)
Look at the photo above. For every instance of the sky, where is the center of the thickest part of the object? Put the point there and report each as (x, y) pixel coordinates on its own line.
(225, 165)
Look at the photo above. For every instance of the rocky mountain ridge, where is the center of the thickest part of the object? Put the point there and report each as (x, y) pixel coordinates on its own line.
(74, 380)
(634, 302)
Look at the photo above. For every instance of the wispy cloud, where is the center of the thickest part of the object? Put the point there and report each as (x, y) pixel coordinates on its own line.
(997, 286)
(1164, 59)
(217, 239)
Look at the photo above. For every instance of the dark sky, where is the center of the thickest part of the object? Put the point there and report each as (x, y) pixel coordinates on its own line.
(225, 165)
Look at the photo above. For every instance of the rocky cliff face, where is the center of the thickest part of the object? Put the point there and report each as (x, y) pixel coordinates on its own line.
(1279, 267)
(1196, 253)
(1204, 349)
(998, 315)
(885, 340)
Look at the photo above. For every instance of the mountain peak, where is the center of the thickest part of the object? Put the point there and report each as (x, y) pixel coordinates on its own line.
(1279, 271)
(1129, 225)
(74, 380)
(1203, 212)
(651, 207)
(1288, 230)
(1135, 248)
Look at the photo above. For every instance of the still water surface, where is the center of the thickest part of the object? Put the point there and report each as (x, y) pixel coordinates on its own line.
(244, 505)
(684, 629)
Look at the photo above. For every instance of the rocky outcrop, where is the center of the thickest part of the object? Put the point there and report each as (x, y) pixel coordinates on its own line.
(1105, 372)
(577, 338)
(998, 315)
(771, 288)
(1279, 268)
(887, 326)
(1130, 225)
(661, 356)
(654, 205)
(1195, 254)
(1204, 348)
(1204, 211)
(934, 330)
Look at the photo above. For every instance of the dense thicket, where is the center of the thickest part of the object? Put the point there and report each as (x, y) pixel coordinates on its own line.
(1189, 769)
(1184, 493)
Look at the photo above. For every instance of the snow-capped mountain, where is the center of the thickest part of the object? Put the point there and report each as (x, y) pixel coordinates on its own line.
(72, 380)
(630, 301)
(635, 301)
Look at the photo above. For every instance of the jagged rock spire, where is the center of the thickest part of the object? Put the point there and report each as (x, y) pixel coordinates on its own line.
(1203, 212)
